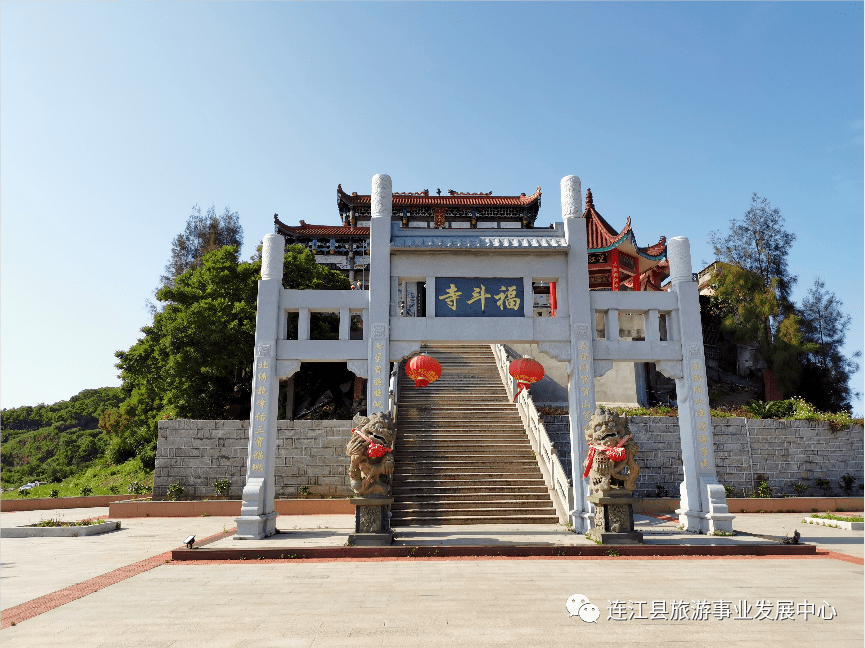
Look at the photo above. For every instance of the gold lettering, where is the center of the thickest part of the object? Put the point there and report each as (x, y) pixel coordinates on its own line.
(508, 298)
(376, 403)
(587, 416)
(378, 369)
(260, 430)
(261, 416)
(376, 381)
(378, 357)
(704, 451)
(262, 391)
(582, 346)
(586, 404)
(702, 439)
(698, 389)
(699, 401)
(258, 454)
(378, 346)
(584, 379)
(701, 412)
(258, 442)
(479, 293)
(263, 365)
(701, 425)
(261, 402)
(695, 366)
(697, 378)
(376, 392)
(257, 467)
(451, 296)
(584, 391)
(584, 356)
(704, 463)
(584, 367)
(262, 376)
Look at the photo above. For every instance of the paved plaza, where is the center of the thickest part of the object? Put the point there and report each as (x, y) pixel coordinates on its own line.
(128, 595)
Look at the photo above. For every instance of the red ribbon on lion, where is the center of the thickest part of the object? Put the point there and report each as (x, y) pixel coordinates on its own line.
(616, 453)
(373, 450)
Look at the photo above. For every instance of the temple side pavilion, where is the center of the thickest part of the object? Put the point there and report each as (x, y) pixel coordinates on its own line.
(615, 258)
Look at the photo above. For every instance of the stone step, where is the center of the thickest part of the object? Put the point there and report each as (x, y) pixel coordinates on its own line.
(535, 505)
(445, 518)
(416, 481)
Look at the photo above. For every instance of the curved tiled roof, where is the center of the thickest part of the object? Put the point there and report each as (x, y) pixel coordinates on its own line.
(320, 230)
(454, 199)
(602, 237)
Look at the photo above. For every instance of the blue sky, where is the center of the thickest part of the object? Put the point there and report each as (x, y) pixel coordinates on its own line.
(116, 118)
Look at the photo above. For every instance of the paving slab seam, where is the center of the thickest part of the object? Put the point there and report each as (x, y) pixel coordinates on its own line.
(46, 603)
(270, 561)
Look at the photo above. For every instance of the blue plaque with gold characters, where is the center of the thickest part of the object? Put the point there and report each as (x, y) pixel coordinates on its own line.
(479, 297)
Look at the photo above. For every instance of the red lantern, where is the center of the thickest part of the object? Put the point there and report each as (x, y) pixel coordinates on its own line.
(423, 370)
(525, 371)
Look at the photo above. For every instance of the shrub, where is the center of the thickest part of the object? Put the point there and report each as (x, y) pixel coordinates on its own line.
(86, 491)
(800, 489)
(54, 493)
(661, 491)
(848, 481)
(823, 485)
(175, 492)
(763, 489)
(728, 491)
(135, 488)
(221, 486)
(303, 490)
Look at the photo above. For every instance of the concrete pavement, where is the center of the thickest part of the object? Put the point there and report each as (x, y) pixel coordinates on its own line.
(423, 602)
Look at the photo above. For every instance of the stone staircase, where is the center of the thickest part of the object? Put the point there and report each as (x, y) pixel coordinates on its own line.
(462, 454)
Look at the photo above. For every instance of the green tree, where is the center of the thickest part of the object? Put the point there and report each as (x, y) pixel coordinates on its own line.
(195, 359)
(826, 370)
(752, 292)
(202, 234)
(759, 244)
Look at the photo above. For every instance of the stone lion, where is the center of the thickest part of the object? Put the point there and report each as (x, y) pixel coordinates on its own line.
(371, 452)
(611, 460)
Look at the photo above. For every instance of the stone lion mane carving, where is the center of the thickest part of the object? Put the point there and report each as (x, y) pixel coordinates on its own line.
(611, 451)
(370, 449)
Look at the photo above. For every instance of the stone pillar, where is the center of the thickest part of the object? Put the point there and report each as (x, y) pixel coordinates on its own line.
(257, 514)
(377, 399)
(703, 507)
(581, 382)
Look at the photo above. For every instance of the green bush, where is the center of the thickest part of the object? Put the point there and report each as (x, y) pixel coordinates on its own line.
(800, 489)
(221, 486)
(847, 483)
(86, 491)
(54, 493)
(175, 492)
(763, 490)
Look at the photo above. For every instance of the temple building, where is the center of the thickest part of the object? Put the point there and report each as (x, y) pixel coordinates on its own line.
(616, 262)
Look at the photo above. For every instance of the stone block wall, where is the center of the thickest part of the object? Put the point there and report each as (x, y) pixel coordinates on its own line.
(195, 454)
(747, 451)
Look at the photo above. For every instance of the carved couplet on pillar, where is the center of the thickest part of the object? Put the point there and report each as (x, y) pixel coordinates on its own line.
(702, 417)
(379, 374)
(584, 374)
(263, 422)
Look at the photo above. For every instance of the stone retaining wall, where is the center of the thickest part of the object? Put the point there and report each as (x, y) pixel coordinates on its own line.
(747, 451)
(195, 454)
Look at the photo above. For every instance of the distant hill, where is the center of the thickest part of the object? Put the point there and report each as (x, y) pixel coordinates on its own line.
(52, 442)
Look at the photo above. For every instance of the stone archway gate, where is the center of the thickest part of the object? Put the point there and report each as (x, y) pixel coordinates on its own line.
(499, 266)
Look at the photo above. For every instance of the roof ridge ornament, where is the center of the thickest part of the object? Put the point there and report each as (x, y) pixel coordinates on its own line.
(589, 201)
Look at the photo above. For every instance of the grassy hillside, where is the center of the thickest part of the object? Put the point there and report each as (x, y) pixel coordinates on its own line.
(51, 443)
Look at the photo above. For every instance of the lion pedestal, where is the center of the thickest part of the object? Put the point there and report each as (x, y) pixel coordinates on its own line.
(614, 518)
(371, 451)
(612, 470)
(371, 522)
